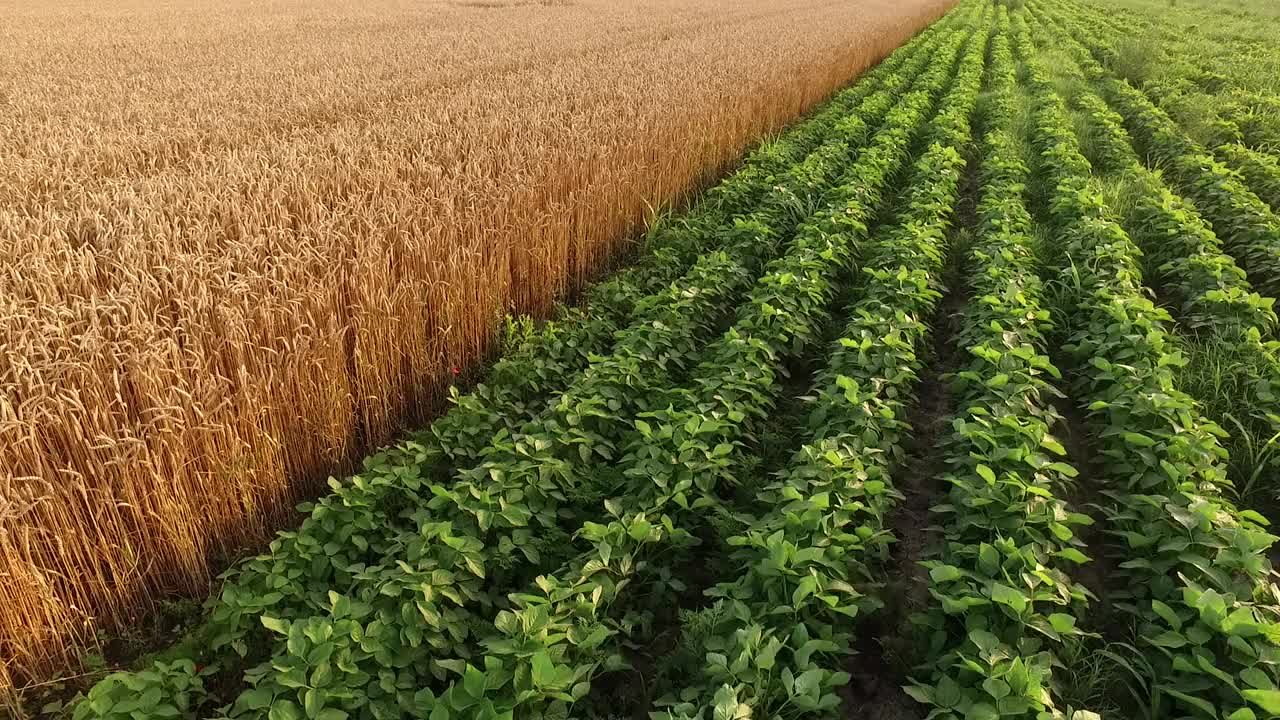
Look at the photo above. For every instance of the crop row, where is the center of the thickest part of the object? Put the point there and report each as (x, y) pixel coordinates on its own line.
(750, 389)
(1246, 224)
(1192, 65)
(1184, 100)
(421, 594)
(1221, 116)
(1004, 600)
(1256, 117)
(1196, 86)
(1228, 123)
(1193, 573)
(1243, 221)
(1213, 64)
(676, 470)
(1213, 291)
(1261, 171)
(779, 629)
(1215, 298)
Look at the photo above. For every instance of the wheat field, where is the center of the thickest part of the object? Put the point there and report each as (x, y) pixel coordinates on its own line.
(245, 242)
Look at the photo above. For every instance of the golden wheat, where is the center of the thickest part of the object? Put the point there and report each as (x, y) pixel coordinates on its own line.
(244, 242)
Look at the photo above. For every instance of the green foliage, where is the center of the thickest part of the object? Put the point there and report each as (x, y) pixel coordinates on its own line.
(518, 331)
(165, 690)
(1247, 226)
(686, 452)
(1004, 599)
(1194, 574)
(1260, 171)
(1222, 370)
(1137, 59)
(782, 623)
(1233, 372)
